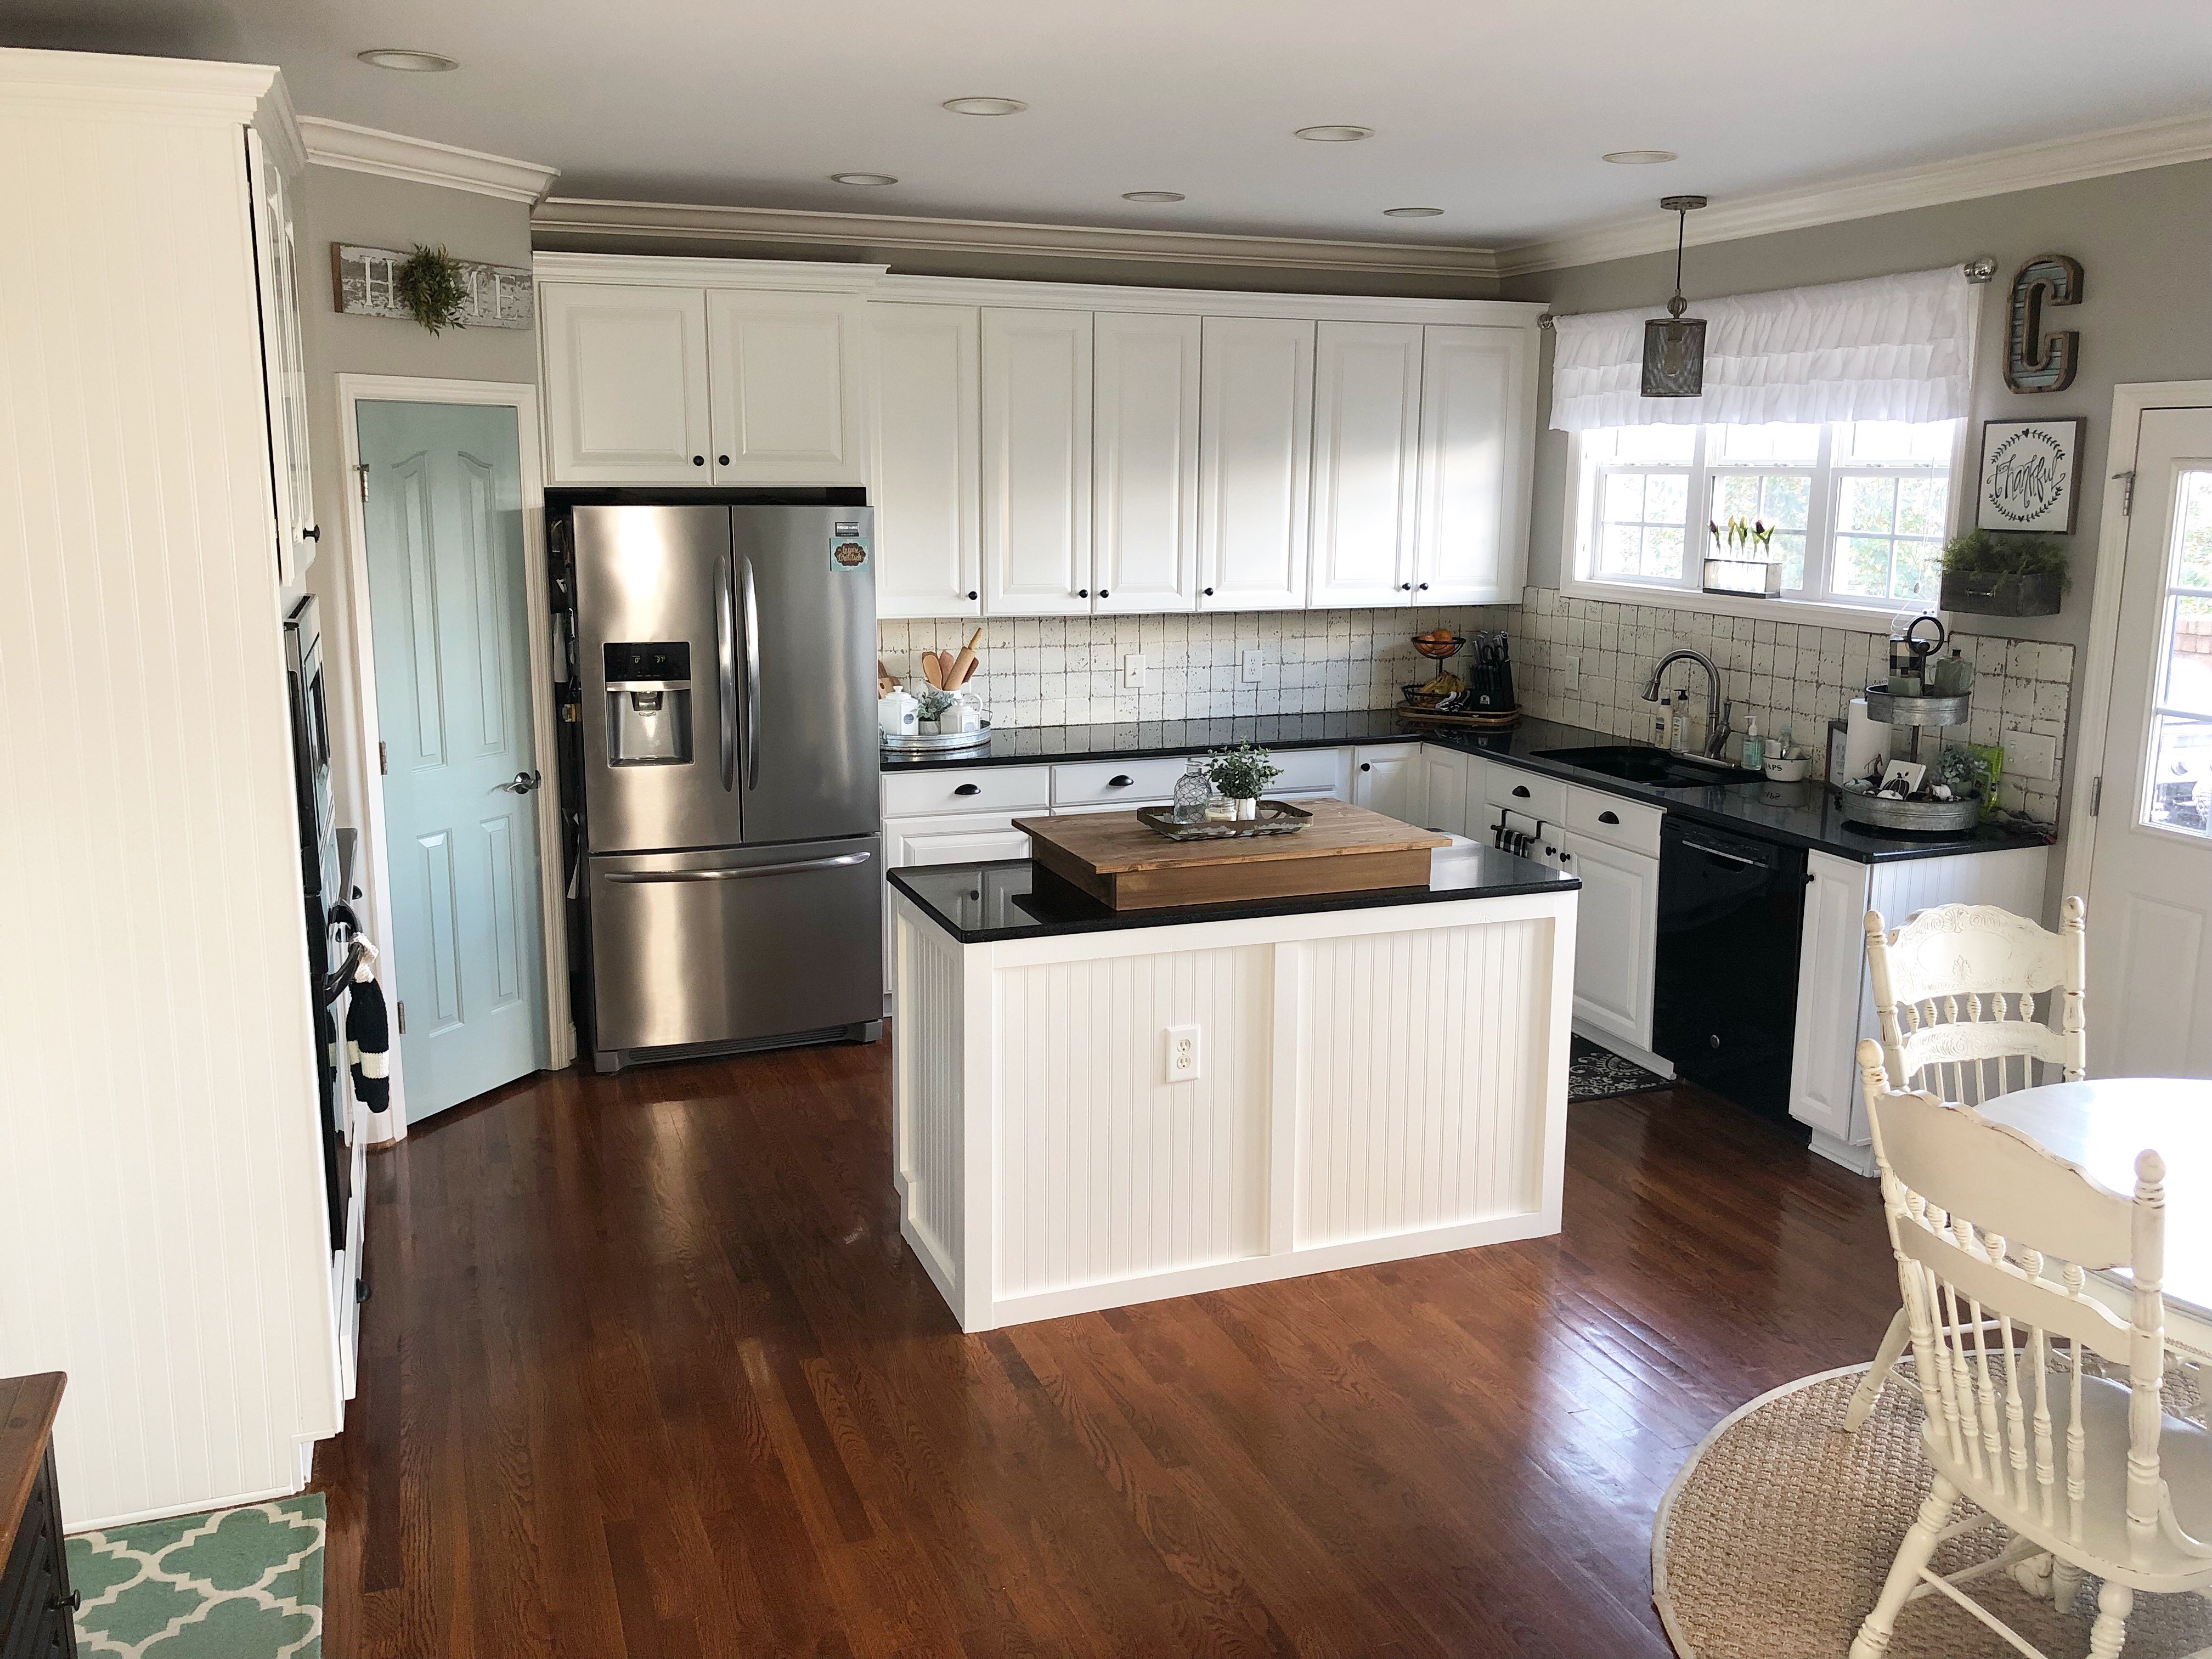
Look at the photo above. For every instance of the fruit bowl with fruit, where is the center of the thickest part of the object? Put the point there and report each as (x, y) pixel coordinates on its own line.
(1439, 646)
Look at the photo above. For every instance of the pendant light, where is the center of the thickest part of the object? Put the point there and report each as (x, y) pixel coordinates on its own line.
(1675, 345)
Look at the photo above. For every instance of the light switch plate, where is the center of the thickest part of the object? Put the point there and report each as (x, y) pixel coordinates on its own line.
(1573, 665)
(2030, 755)
(1254, 661)
(1182, 1053)
(1132, 673)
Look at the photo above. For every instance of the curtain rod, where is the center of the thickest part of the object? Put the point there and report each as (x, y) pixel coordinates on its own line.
(1983, 269)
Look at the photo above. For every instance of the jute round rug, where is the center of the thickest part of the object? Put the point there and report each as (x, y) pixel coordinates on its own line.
(1773, 1541)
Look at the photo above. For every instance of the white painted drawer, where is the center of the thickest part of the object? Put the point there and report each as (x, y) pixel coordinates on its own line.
(1532, 792)
(1308, 768)
(1631, 825)
(967, 789)
(1104, 783)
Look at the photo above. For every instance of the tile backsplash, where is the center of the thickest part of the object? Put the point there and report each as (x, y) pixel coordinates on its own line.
(1581, 661)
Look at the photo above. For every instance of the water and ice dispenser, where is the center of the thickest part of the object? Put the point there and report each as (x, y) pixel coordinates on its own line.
(649, 702)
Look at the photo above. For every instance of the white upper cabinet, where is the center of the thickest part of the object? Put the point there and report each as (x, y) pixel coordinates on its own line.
(1036, 462)
(1477, 443)
(283, 359)
(1256, 450)
(625, 383)
(928, 478)
(1366, 456)
(788, 388)
(1144, 502)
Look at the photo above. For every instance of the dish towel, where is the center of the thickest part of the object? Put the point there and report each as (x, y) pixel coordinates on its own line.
(369, 1036)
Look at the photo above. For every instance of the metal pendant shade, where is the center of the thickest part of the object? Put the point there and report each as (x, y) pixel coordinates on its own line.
(1675, 345)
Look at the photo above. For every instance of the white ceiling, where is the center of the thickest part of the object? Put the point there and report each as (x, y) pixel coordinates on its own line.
(1495, 110)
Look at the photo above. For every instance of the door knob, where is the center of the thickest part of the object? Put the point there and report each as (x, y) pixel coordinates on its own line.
(522, 783)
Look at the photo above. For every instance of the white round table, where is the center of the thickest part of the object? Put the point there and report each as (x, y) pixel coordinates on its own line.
(2101, 1126)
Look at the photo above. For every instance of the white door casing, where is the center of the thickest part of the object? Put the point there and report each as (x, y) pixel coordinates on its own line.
(1144, 502)
(928, 476)
(1037, 402)
(1366, 456)
(2150, 857)
(625, 371)
(788, 387)
(1255, 453)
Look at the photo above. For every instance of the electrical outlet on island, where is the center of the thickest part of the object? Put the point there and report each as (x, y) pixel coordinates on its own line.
(1183, 1055)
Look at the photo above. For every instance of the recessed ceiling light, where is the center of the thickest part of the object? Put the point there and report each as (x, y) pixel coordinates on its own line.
(1639, 158)
(862, 178)
(985, 105)
(403, 57)
(1411, 213)
(1333, 135)
(1152, 196)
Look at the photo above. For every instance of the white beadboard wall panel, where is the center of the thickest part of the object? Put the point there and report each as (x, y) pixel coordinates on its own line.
(1106, 1170)
(1422, 1073)
(161, 1205)
(927, 1088)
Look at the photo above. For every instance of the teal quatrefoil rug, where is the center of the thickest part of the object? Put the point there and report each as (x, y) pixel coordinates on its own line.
(243, 1583)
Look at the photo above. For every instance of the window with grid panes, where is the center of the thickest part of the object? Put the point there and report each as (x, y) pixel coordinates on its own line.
(1860, 509)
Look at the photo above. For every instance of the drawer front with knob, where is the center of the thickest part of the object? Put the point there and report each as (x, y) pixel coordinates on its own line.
(976, 789)
(1528, 792)
(1109, 783)
(1630, 825)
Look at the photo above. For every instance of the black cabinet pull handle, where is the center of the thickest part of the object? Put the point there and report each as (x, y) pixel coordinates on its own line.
(721, 460)
(1209, 592)
(698, 460)
(1424, 587)
(1405, 587)
(971, 592)
(1082, 592)
(1521, 790)
(1119, 781)
(313, 532)
(1608, 817)
(1366, 766)
(74, 1600)
(1103, 594)
(969, 789)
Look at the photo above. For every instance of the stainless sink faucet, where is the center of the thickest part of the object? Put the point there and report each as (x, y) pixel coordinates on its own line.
(1717, 738)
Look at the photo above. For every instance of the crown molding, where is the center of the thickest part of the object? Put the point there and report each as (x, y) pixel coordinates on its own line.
(2025, 166)
(694, 270)
(421, 161)
(114, 81)
(881, 233)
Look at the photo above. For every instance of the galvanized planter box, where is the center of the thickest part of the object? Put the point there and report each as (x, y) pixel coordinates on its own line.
(1981, 594)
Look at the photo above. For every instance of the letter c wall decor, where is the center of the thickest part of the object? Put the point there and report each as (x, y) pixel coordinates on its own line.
(2034, 361)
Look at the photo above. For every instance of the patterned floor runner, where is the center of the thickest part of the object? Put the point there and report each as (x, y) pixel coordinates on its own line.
(243, 1583)
(1596, 1073)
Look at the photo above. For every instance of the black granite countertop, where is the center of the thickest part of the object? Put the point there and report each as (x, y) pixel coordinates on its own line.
(985, 903)
(1794, 814)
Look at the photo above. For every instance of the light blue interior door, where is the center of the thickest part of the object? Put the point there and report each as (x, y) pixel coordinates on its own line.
(448, 604)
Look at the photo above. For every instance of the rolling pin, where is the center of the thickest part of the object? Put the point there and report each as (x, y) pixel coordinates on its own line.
(963, 665)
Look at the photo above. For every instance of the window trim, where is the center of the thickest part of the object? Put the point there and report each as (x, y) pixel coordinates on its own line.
(1578, 553)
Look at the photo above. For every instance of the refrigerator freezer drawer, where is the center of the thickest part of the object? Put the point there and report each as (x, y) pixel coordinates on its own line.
(736, 944)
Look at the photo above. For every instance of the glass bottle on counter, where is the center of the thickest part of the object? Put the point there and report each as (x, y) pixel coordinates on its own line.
(1192, 791)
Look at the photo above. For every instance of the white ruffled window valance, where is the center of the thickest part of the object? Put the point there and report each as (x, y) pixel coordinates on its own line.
(1882, 348)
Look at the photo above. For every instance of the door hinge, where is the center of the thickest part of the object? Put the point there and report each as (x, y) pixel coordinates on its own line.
(401, 1009)
(2127, 492)
(383, 762)
(360, 470)
(2096, 793)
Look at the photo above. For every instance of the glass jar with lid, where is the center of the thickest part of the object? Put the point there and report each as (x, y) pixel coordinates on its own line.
(1192, 791)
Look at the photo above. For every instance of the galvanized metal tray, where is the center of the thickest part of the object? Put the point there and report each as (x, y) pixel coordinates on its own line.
(934, 742)
(1916, 711)
(1926, 817)
(1277, 817)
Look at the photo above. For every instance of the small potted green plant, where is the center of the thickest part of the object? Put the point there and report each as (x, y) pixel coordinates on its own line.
(430, 284)
(2004, 573)
(1242, 774)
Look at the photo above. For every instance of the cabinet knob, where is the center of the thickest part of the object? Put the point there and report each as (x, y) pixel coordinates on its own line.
(1565, 858)
(971, 592)
(313, 532)
(1366, 766)
(72, 1602)
(1608, 817)
(1082, 592)
(1209, 592)
(1424, 587)
(1119, 781)
(1405, 587)
(969, 789)
(1103, 594)
(721, 460)
(698, 460)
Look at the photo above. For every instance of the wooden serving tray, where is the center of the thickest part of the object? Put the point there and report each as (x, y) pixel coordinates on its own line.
(1120, 862)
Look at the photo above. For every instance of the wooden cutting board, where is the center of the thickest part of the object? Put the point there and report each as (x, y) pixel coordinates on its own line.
(1116, 860)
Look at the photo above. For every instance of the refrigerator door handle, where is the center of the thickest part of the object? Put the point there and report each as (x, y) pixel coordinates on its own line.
(726, 674)
(741, 873)
(752, 681)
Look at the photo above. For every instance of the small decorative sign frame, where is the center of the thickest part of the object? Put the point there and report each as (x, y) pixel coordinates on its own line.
(2035, 361)
(500, 296)
(2029, 469)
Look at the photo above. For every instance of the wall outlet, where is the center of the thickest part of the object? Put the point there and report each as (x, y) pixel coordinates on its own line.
(1573, 667)
(2030, 755)
(1132, 673)
(1183, 1056)
(1253, 662)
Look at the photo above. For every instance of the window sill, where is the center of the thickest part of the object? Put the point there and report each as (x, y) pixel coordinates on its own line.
(1863, 619)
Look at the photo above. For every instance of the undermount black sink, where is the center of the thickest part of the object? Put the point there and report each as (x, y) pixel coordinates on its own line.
(1660, 769)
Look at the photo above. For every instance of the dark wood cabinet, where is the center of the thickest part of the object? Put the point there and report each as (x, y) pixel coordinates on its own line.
(36, 1603)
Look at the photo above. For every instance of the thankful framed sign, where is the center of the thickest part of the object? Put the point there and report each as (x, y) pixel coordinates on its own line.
(2029, 473)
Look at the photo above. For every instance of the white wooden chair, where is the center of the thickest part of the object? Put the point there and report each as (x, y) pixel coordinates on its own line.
(1993, 1236)
(1955, 990)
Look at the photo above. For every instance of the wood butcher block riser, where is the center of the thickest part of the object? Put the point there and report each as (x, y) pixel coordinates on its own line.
(1118, 860)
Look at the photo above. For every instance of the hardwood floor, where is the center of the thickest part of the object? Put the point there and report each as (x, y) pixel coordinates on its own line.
(648, 1371)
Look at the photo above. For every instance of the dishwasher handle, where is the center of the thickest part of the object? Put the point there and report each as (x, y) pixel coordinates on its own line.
(1736, 859)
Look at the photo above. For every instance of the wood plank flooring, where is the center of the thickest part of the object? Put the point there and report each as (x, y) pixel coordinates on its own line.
(648, 1371)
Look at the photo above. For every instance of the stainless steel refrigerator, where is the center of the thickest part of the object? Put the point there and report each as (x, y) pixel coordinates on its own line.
(731, 852)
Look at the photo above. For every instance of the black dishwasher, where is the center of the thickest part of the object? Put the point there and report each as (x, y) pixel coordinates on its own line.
(1724, 1008)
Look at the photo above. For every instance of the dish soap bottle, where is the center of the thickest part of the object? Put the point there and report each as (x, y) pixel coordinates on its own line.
(1754, 751)
(1662, 723)
(1192, 791)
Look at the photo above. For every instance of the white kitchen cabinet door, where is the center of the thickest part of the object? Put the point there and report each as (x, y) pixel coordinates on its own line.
(1366, 462)
(1036, 462)
(1832, 1006)
(1443, 790)
(1144, 499)
(788, 383)
(1256, 455)
(1616, 937)
(625, 383)
(1385, 778)
(284, 361)
(1473, 541)
(928, 477)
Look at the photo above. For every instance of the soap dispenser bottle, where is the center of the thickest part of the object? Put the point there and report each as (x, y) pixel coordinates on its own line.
(1754, 751)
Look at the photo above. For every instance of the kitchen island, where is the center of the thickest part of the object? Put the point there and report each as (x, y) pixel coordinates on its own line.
(1095, 1107)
